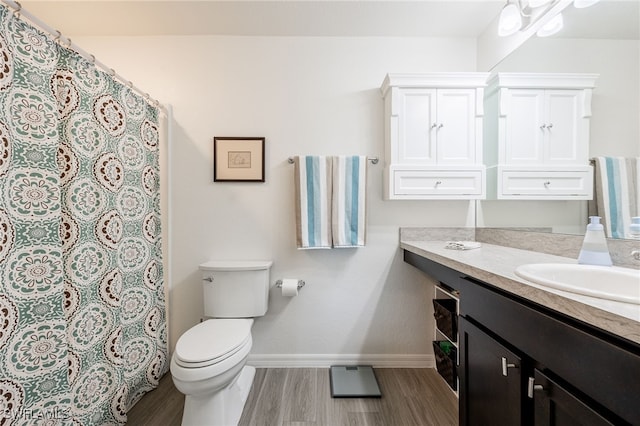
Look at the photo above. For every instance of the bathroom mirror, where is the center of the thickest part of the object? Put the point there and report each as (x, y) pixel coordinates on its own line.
(602, 39)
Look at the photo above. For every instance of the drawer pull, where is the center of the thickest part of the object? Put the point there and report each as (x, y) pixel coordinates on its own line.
(546, 184)
(533, 387)
(506, 366)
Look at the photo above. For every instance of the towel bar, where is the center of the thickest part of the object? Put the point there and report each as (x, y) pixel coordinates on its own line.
(374, 160)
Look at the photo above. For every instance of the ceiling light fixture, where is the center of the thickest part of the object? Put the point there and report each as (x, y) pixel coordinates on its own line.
(510, 20)
(553, 26)
(538, 3)
(516, 17)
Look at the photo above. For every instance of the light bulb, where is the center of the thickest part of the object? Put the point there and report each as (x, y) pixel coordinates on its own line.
(553, 26)
(580, 4)
(510, 20)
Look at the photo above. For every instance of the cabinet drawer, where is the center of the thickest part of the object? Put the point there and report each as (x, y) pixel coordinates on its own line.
(546, 184)
(437, 183)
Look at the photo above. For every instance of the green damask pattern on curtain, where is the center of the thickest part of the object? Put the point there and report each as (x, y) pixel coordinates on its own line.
(33, 337)
(81, 299)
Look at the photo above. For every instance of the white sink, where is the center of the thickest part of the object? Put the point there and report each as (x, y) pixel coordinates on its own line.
(603, 282)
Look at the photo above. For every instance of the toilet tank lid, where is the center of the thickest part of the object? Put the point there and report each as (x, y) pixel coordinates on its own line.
(236, 265)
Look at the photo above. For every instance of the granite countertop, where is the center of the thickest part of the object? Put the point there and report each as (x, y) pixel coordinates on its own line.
(496, 264)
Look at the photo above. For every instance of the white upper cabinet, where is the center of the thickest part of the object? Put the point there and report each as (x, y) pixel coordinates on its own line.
(537, 136)
(436, 126)
(433, 136)
(545, 127)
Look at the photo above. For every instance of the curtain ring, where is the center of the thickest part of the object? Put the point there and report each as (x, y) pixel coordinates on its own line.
(112, 72)
(92, 59)
(130, 85)
(68, 44)
(16, 12)
(146, 96)
(57, 37)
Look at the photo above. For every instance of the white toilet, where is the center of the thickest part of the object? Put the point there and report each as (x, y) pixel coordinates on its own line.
(208, 364)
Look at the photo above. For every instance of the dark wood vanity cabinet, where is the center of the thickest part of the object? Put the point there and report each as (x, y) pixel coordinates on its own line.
(583, 372)
(524, 364)
(555, 405)
(490, 379)
(501, 387)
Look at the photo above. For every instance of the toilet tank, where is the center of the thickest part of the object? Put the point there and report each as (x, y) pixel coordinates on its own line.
(235, 289)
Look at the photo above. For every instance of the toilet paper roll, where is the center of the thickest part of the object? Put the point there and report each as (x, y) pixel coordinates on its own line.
(289, 287)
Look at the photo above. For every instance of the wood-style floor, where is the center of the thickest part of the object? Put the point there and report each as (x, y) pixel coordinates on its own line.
(302, 397)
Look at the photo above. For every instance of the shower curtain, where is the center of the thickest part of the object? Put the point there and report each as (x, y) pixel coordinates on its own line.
(82, 309)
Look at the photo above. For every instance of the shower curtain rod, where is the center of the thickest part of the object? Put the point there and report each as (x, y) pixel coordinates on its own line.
(17, 9)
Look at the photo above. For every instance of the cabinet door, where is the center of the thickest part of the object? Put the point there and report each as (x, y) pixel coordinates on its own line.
(524, 132)
(416, 126)
(562, 127)
(554, 405)
(490, 379)
(456, 126)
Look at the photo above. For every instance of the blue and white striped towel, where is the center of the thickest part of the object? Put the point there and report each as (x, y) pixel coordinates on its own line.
(313, 201)
(617, 193)
(348, 218)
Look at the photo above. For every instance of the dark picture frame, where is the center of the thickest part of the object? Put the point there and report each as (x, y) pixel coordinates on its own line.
(238, 159)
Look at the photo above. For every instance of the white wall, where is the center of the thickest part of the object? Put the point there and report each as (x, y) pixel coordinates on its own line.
(320, 96)
(306, 96)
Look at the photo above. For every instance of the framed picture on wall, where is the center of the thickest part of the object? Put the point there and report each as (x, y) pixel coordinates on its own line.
(238, 159)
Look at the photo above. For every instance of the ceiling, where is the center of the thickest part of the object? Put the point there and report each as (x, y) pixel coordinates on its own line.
(615, 19)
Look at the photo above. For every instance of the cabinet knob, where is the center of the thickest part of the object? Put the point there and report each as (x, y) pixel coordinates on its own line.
(549, 126)
(544, 126)
(532, 387)
(434, 125)
(546, 184)
(438, 182)
(440, 126)
(505, 366)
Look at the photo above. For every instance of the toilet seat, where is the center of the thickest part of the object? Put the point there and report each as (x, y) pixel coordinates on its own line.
(212, 341)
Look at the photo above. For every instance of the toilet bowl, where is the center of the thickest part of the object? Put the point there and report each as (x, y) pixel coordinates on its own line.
(208, 367)
(208, 363)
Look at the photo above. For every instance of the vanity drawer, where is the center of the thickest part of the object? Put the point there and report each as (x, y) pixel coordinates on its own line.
(546, 185)
(433, 184)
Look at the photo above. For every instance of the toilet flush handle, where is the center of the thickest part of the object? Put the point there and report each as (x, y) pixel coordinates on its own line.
(210, 279)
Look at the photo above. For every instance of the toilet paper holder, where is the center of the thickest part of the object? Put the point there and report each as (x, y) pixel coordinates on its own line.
(300, 284)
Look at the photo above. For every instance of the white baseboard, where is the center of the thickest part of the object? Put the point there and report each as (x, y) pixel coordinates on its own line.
(327, 360)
